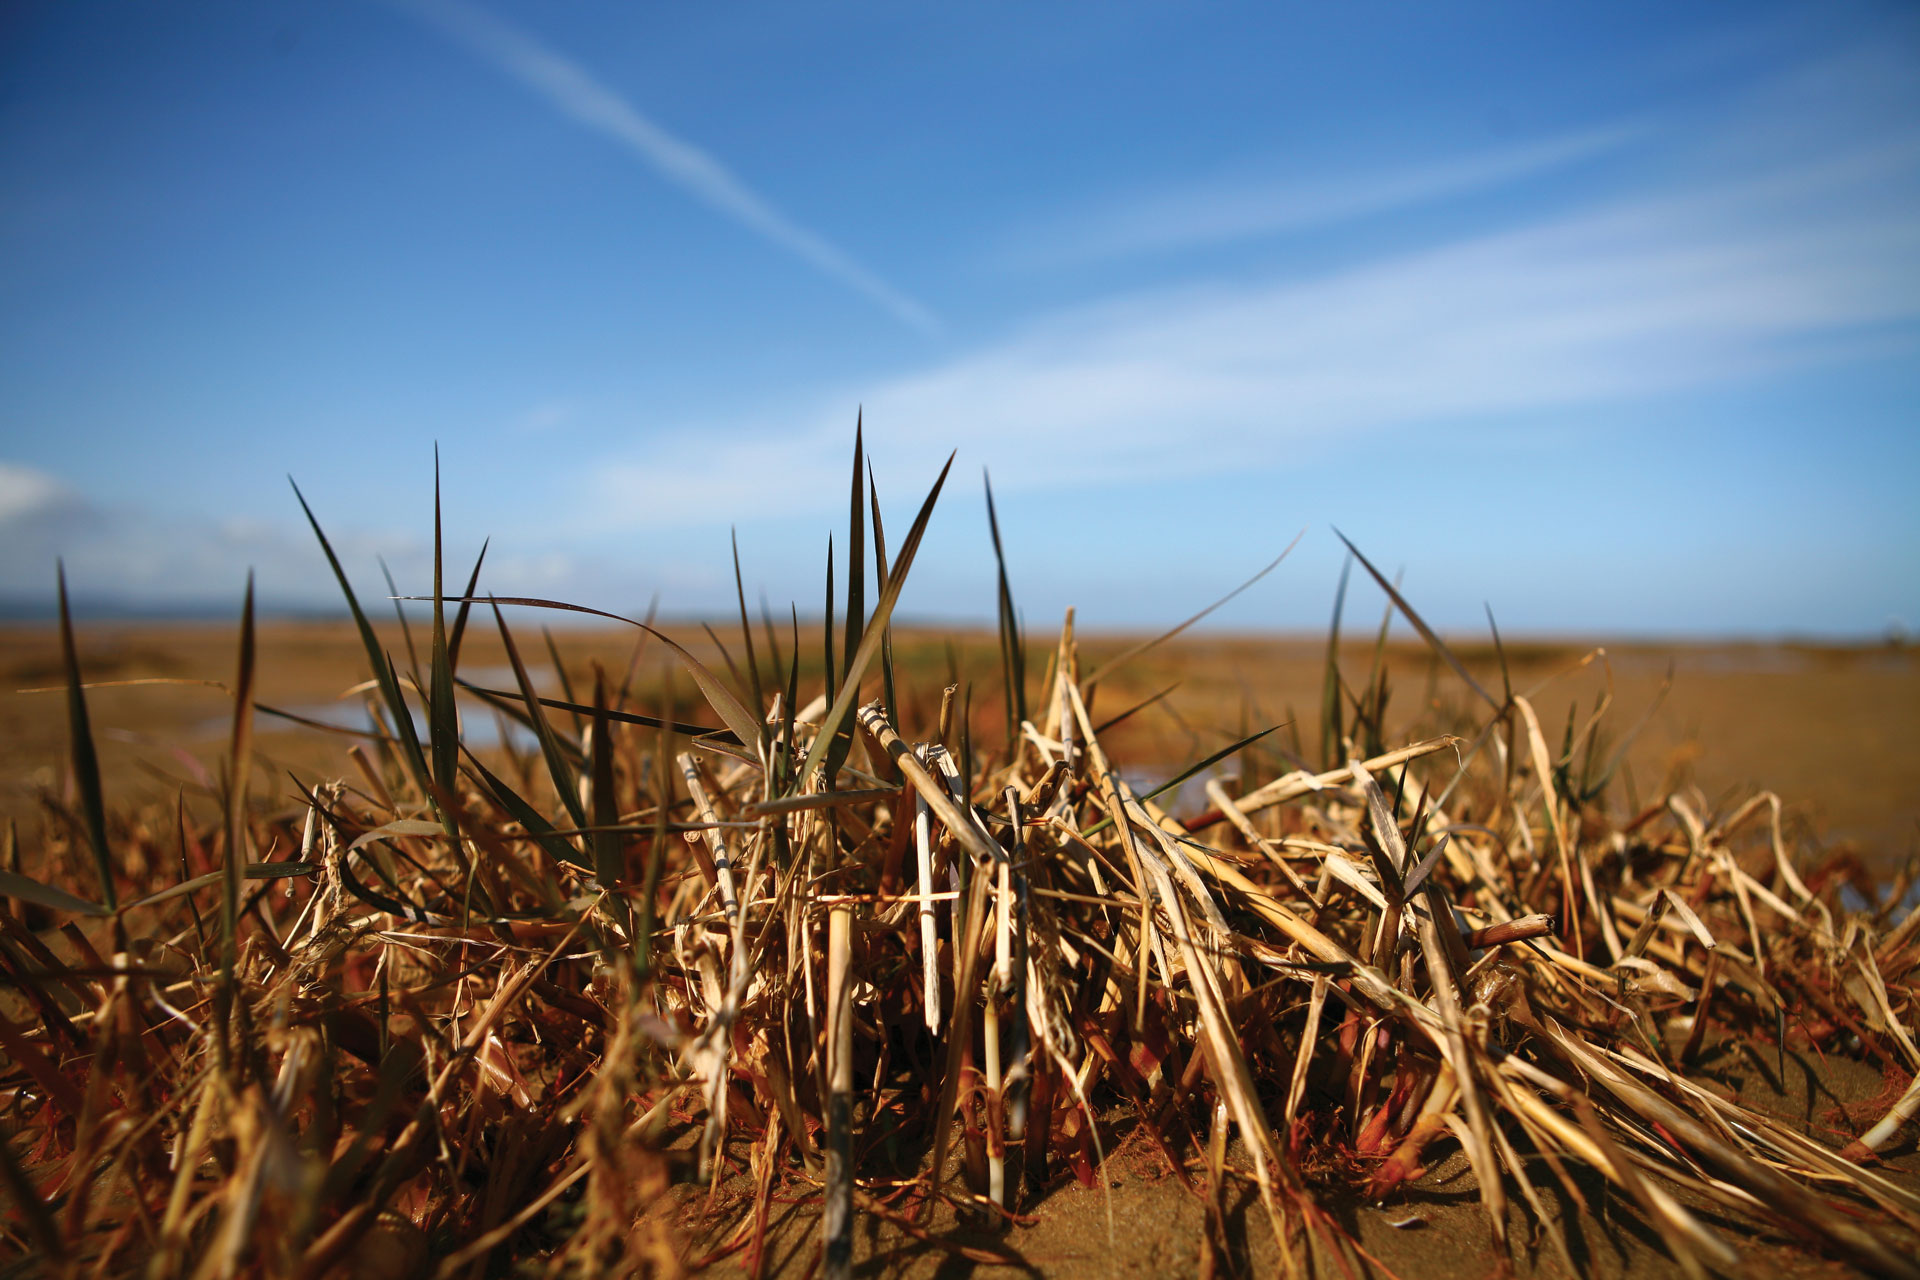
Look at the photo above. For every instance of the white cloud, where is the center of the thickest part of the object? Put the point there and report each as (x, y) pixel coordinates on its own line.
(1646, 296)
(569, 89)
(25, 493)
(1222, 210)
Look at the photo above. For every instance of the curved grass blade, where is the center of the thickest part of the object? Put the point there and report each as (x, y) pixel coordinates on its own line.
(1113, 664)
(542, 831)
(1500, 652)
(1427, 633)
(400, 615)
(1332, 721)
(560, 673)
(880, 578)
(460, 618)
(382, 668)
(27, 889)
(1134, 710)
(86, 763)
(746, 631)
(706, 735)
(745, 727)
(1188, 772)
(1013, 654)
(559, 768)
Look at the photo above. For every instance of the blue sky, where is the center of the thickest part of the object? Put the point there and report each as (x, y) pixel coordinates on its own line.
(1604, 314)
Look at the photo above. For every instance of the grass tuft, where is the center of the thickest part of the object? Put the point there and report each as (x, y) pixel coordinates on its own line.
(631, 994)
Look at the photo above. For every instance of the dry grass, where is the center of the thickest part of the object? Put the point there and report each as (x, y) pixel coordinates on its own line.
(911, 956)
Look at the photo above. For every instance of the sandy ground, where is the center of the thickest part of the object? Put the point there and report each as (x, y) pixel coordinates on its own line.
(1834, 731)
(1435, 1229)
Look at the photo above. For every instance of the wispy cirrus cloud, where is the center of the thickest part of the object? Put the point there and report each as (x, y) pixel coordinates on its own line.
(1222, 210)
(570, 89)
(1709, 283)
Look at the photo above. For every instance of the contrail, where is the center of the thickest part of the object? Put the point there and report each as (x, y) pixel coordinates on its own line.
(575, 93)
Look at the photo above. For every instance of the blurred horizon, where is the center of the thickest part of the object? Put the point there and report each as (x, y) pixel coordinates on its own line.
(1604, 318)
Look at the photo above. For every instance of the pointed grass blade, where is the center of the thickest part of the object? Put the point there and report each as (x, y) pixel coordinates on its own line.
(400, 616)
(530, 818)
(1114, 663)
(856, 552)
(826, 640)
(746, 632)
(703, 735)
(1013, 657)
(882, 611)
(558, 766)
(466, 598)
(382, 667)
(27, 889)
(443, 719)
(238, 769)
(856, 597)
(1500, 652)
(1332, 726)
(730, 709)
(880, 578)
(1427, 633)
(608, 863)
(86, 763)
(1189, 772)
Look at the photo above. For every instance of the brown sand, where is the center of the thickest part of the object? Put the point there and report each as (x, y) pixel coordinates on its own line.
(1834, 731)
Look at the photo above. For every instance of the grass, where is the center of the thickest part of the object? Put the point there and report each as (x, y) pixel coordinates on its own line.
(843, 950)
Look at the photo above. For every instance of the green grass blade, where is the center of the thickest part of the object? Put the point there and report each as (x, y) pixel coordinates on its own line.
(856, 550)
(460, 618)
(565, 781)
(746, 632)
(528, 817)
(400, 615)
(27, 889)
(773, 637)
(1013, 655)
(1133, 710)
(239, 760)
(443, 719)
(1374, 700)
(1113, 664)
(726, 656)
(833, 671)
(560, 673)
(856, 595)
(86, 762)
(381, 666)
(870, 644)
(1500, 652)
(505, 698)
(788, 780)
(736, 717)
(880, 579)
(1189, 772)
(1427, 633)
(606, 845)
